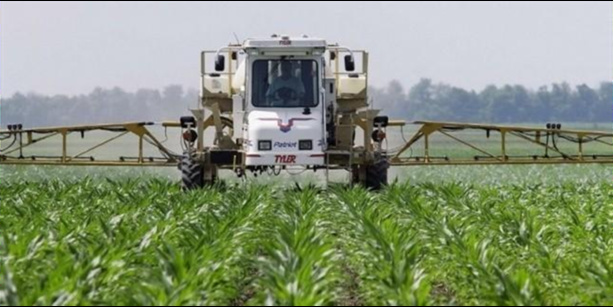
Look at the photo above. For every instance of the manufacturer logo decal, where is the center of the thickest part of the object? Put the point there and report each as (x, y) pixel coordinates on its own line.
(285, 144)
(285, 127)
(287, 159)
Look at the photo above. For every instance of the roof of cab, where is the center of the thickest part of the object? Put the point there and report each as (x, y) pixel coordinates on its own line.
(285, 41)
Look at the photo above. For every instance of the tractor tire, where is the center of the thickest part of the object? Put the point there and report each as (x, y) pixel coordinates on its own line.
(374, 175)
(192, 173)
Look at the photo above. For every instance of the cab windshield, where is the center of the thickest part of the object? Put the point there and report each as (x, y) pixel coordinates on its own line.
(284, 83)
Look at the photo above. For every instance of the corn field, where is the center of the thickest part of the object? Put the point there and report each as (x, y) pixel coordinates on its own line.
(142, 241)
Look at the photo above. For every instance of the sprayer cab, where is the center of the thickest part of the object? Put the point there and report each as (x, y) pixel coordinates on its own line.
(291, 102)
(284, 109)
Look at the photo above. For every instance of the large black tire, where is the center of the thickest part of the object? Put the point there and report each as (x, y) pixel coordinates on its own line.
(376, 174)
(192, 173)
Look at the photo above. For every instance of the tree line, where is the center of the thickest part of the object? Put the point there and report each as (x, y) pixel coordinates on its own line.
(559, 102)
(425, 100)
(100, 106)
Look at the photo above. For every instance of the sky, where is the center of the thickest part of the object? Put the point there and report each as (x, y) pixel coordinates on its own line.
(73, 47)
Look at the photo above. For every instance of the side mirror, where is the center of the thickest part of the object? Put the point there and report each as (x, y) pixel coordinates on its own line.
(332, 55)
(349, 63)
(220, 63)
(187, 122)
(202, 61)
(381, 121)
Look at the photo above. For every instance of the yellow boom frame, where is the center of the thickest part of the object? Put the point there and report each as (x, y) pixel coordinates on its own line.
(530, 135)
(23, 138)
(35, 136)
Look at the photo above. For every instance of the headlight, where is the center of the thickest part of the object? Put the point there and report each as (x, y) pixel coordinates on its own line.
(264, 145)
(305, 145)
